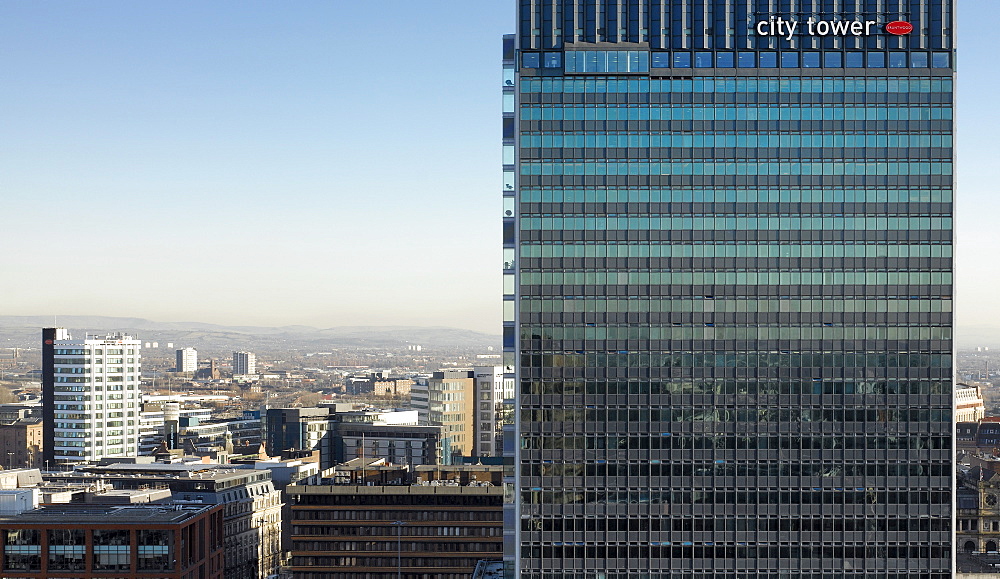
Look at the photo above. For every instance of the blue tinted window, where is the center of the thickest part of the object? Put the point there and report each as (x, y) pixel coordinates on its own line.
(574, 61)
(703, 60)
(724, 60)
(682, 60)
(789, 60)
(810, 60)
(746, 60)
(876, 60)
(918, 59)
(595, 61)
(603, 61)
(529, 59)
(768, 60)
(897, 60)
(833, 60)
(940, 60)
(661, 60)
(639, 59)
(553, 59)
(509, 337)
(854, 60)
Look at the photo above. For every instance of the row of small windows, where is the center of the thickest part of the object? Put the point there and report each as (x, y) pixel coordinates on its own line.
(94, 369)
(728, 469)
(87, 380)
(699, 112)
(744, 195)
(730, 386)
(712, 556)
(405, 546)
(666, 223)
(752, 140)
(745, 360)
(764, 524)
(707, 441)
(719, 332)
(754, 249)
(547, 305)
(715, 497)
(634, 61)
(833, 85)
(96, 352)
(840, 167)
(595, 61)
(687, 278)
(434, 530)
(390, 515)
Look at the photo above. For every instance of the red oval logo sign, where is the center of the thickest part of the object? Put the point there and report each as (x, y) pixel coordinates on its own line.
(48, 341)
(899, 28)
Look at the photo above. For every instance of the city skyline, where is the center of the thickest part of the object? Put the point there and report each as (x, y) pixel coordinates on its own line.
(280, 165)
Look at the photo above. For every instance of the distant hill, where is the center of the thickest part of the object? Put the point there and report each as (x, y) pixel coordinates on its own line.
(23, 331)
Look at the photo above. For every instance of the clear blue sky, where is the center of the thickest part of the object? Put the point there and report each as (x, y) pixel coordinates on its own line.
(321, 163)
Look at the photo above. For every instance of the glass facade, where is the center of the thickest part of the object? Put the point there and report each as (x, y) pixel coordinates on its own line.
(728, 289)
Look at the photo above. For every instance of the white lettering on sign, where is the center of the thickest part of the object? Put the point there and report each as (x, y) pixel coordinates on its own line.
(778, 26)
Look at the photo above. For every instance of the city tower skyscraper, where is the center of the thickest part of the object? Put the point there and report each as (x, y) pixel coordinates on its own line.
(728, 288)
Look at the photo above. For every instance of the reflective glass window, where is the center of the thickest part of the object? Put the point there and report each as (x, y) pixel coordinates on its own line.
(876, 60)
(682, 60)
(810, 60)
(789, 60)
(768, 59)
(724, 60)
(529, 60)
(703, 60)
(854, 60)
(918, 59)
(746, 60)
(897, 60)
(833, 60)
(940, 60)
(661, 60)
(553, 59)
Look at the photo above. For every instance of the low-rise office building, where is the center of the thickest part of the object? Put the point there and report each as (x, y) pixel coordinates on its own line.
(384, 532)
(83, 541)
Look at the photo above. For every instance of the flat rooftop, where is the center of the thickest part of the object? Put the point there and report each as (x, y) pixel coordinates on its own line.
(174, 471)
(107, 514)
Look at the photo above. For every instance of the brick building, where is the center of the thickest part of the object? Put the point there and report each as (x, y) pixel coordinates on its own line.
(163, 541)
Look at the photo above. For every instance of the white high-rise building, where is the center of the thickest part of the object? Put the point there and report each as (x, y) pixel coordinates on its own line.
(187, 360)
(90, 396)
(491, 414)
(244, 363)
